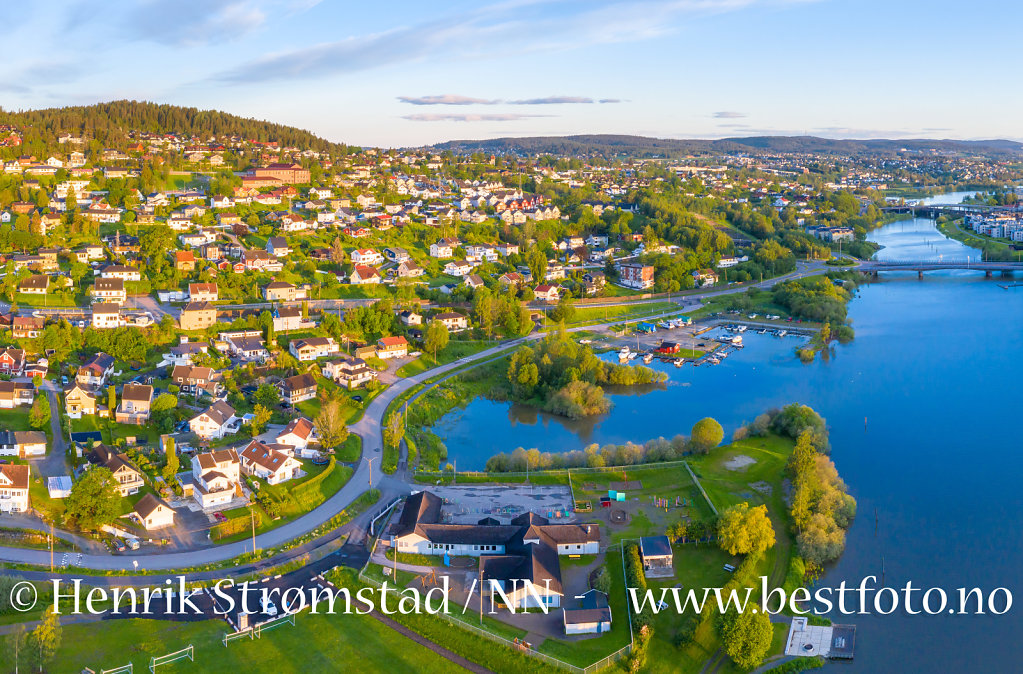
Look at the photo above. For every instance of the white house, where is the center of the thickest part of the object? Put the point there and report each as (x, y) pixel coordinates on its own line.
(215, 476)
(153, 513)
(216, 421)
(269, 464)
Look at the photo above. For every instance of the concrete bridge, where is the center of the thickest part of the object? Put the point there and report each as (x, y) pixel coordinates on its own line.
(934, 210)
(920, 266)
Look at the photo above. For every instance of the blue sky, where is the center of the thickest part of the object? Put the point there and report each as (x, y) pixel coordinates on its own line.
(400, 73)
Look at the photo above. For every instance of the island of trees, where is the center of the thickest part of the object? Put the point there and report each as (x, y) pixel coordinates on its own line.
(563, 377)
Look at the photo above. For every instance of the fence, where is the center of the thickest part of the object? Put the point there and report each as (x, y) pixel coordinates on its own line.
(186, 652)
(551, 660)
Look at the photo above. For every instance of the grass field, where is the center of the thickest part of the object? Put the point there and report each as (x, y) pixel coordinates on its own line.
(15, 419)
(314, 644)
(453, 351)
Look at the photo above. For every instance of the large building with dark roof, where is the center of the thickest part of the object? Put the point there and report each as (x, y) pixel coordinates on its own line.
(526, 549)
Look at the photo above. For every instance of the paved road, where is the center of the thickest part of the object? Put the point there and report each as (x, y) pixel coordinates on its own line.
(55, 461)
(367, 472)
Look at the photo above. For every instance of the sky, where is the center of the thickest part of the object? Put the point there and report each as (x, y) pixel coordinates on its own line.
(396, 73)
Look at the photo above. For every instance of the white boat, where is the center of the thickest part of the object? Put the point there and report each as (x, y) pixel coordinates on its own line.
(648, 357)
(783, 333)
(678, 362)
(624, 353)
(742, 328)
(632, 356)
(737, 340)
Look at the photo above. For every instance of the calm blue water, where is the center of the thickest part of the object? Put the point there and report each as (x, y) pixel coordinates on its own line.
(934, 370)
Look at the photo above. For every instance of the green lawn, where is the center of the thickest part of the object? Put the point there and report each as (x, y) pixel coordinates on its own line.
(15, 419)
(294, 497)
(627, 311)
(317, 643)
(453, 351)
(350, 451)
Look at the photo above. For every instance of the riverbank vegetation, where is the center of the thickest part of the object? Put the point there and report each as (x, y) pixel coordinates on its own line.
(564, 377)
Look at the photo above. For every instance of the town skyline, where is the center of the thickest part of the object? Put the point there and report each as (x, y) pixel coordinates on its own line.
(416, 76)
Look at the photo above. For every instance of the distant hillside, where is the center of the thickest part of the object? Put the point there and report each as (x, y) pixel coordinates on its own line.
(109, 123)
(641, 146)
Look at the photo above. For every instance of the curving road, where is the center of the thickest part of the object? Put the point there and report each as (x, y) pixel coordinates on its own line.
(369, 427)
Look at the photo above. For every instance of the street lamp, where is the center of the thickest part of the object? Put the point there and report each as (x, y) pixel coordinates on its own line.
(370, 460)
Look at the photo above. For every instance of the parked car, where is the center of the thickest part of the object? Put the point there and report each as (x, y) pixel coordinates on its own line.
(63, 380)
(267, 606)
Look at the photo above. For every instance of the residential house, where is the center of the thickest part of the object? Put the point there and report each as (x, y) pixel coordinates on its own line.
(13, 394)
(392, 347)
(444, 248)
(184, 261)
(197, 316)
(153, 513)
(215, 477)
(279, 291)
(122, 272)
(299, 434)
(12, 361)
(27, 327)
(134, 406)
(80, 401)
(193, 380)
(278, 246)
(546, 292)
(409, 269)
(14, 488)
(94, 373)
(511, 278)
(395, 254)
(453, 321)
(366, 256)
(298, 388)
(287, 318)
(246, 345)
(203, 292)
(215, 421)
(350, 372)
(269, 464)
(311, 348)
(181, 354)
(458, 268)
(595, 281)
(507, 249)
(37, 284)
(705, 277)
(109, 290)
(363, 275)
(127, 477)
(474, 281)
(105, 316)
(22, 444)
(410, 318)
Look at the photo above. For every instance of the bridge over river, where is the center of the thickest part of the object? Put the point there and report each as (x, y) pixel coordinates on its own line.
(920, 266)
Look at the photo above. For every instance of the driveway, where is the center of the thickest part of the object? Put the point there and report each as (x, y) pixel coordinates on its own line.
(55, 462)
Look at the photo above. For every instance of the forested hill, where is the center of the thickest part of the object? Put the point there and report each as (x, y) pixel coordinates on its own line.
(641, 146)
(110, 123)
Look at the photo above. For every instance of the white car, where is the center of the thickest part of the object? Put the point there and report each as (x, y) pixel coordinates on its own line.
(267, 606)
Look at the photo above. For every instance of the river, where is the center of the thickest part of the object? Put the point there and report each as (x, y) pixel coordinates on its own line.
(920, 408)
